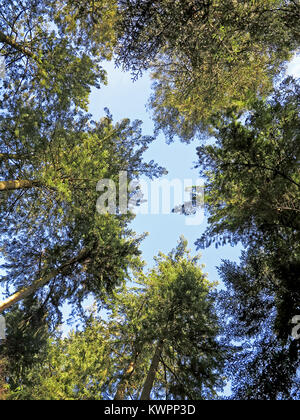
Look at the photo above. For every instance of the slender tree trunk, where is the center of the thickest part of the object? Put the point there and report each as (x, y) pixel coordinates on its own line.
(17, 185)
(12, 156)
(120, 394)
(27, 291)
(8, 40)
(152, 371)
(37, 284)
(123, 384)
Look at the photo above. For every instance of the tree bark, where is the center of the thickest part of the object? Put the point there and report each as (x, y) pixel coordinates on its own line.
(37, 284)
(8, 40)
(17, 185)
(152, 371)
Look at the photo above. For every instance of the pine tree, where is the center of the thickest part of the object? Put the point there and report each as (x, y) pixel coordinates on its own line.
(171, 336)
(261, 298)
(51, 233)
(252, 197)
(252, 174)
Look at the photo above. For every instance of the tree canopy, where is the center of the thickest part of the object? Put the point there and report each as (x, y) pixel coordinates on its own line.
(138, 351)
(51, 232)
(53, 50)
(206, 57)
(260, 301)
(253, 191)
(252, 172)
(218, 71)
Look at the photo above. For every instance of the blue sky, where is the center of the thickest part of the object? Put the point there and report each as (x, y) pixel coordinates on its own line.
(127, 99)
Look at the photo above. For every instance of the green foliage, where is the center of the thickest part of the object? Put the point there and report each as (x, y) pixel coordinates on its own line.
(213, 64)
(252, 196)
(252, 174)
(174, 303)
(261, 298)
(52, 156)
(3, 374)
(26, 344)
(56, 220)
(206, 57)
(53, 50)
(74, 368)
(55, 154)
(176, 307)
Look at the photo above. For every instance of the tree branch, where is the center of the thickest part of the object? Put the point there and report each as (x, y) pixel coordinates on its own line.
(42, 281)
(5, 39)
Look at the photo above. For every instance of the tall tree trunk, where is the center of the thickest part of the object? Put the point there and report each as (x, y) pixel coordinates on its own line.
(37, 284)
(152, 371)
(120, 394)
(123, 384)
(17, 185)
